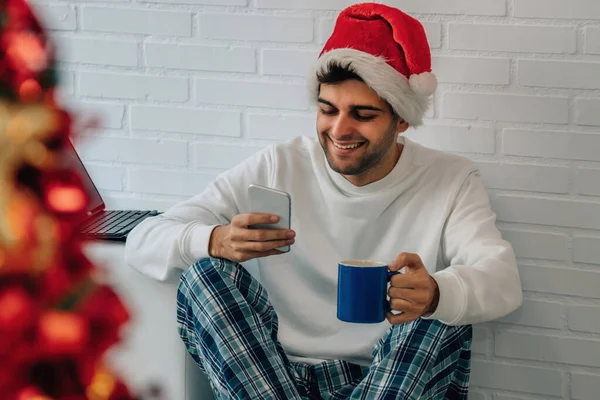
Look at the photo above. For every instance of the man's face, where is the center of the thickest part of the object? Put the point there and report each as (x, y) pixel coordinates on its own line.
(357, 130)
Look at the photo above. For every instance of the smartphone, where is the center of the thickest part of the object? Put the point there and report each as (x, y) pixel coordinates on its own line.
(266, 200)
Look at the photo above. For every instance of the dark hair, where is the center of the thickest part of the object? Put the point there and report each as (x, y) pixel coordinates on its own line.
(337, 73)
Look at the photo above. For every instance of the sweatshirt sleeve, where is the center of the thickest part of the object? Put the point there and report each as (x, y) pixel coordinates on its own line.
(179, 237)
(481, 282)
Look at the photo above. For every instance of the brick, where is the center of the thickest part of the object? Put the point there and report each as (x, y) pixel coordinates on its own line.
(511, 38)
(128, 86)
(434, 34)
(104, 1)
(325, 29)
(525, 177)
(588, 181)
(504, 107)
(466, 7)
(584, 318)
(186, 120)
(558, 212)
(107, 177)
(542, 245)
(304, 4)
(587, 112)
(536, 313)
(66, 83)
(592, 40)
(585, 387)
(110, 115)
(560, 9)
(456, 7)
(490, 71)
(569, 282)
(255, 27)
(252, 94)
(481, 339)
(280, 126)
(98, 51)
(173, 182)
(56, 17)
(202, 2)
(586, 249)
(288, 62)
(210, 155)
(135, 150)
(200, 57)
(516, 377)
(563, 145)
(559, 74)
(548, 348)
(455, 138)
(136, 21)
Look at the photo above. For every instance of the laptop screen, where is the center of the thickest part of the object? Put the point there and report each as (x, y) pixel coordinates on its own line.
(74, 162)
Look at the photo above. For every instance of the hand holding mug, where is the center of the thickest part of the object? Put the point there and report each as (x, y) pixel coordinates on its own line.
(413, 293)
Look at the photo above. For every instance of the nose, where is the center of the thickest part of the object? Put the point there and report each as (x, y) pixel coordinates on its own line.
(342, 127)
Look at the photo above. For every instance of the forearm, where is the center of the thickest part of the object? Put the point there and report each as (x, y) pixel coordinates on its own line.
(160, 245)
(482, 292)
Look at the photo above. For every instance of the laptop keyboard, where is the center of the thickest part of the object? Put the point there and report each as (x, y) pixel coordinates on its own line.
(113, 222)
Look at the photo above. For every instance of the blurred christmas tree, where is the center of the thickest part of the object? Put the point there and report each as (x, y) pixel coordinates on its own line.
(57, 319)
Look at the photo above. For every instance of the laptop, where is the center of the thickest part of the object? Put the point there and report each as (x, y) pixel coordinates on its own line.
(100, 223)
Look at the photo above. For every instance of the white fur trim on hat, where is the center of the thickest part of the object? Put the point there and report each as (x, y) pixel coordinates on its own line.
(410, 99)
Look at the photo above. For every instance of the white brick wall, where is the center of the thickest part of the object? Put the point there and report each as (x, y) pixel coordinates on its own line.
(189, 88)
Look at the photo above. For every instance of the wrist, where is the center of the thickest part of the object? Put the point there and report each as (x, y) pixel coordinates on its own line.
(214, 243)
(436, 297)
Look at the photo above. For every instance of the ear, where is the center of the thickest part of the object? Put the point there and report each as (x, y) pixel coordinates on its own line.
(401, 125)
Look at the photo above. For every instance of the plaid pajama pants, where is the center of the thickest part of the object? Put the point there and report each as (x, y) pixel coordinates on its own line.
(230, 329)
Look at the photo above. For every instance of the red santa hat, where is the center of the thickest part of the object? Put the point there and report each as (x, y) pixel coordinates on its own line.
(388, 49)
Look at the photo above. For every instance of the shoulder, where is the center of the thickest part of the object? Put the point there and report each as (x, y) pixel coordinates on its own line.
(296, 149)
(441, 162)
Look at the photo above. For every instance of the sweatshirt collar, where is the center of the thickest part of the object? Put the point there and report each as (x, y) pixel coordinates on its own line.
(400, 170)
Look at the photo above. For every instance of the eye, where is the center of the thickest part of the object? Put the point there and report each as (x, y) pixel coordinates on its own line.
(364, 117)
(331, 111)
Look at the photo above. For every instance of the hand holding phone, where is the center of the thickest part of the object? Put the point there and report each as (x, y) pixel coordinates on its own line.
(262, 232)
(264, 200)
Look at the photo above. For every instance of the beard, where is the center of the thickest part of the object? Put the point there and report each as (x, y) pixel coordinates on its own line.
(369, 159)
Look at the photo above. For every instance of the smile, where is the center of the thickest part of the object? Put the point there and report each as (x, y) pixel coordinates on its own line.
(347, 146)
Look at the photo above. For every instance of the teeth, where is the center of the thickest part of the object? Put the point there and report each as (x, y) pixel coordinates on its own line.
(351, 146)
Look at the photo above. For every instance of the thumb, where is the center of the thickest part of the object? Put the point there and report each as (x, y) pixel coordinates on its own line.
(412, 262)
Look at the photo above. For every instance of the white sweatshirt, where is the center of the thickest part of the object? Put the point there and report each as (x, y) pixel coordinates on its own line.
(433, 204)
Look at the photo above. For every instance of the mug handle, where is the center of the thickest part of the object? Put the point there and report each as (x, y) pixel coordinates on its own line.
(389, 277)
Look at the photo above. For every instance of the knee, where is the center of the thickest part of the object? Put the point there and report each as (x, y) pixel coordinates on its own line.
(425, 329)
(195, 279)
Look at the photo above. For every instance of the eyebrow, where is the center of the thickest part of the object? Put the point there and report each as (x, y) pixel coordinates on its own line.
(355, 107)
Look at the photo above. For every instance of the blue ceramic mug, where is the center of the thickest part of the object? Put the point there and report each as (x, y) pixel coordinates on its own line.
(362, 291)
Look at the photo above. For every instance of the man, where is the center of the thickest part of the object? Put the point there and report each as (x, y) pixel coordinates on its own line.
(358, 192)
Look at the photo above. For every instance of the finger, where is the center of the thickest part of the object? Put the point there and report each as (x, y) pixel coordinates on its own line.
(263, 235)
(396, 319)
(408, 281)
(403, 306)
(265, 246)
(411, 261)
(261, 254)
(247, 220)
(410, 295)
(242, 256)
